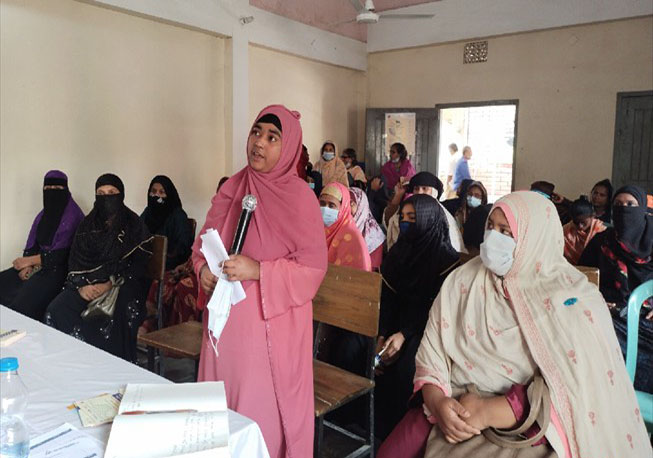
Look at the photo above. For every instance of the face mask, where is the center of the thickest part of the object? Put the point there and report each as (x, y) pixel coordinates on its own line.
(348, 165)
(542, 194)
(630, 223)
(108, 205)
(54, 199)
(473, 201)
(394, 161)
(404, 226)
(329, 216)
(311, 185)
(328, 156)
(497, 252)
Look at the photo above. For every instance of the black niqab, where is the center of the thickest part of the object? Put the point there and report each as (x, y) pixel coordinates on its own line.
(422, 253)
(159, 209)
(54, 205)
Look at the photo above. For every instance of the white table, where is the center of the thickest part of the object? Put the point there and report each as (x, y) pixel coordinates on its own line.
(59, 369)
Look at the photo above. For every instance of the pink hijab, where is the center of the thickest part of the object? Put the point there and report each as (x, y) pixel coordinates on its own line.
(287, 216)
(346, 244)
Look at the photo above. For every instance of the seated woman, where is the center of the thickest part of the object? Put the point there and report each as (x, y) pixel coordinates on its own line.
(475, 196)
(164, 215)
(103, 300)
(330, 166)
(413, 272)
(601, 198)
(497, 323)
(474, 229)
(367, 225)
(580, 230)
(358, 178)
(37, 277)
(422, 183)
(345, 242)
(398, 167)
(623, 255)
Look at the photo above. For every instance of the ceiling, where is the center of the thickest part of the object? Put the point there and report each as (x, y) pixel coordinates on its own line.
(325, 14)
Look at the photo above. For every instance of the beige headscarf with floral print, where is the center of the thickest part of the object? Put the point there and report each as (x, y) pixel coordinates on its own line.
(544, 314)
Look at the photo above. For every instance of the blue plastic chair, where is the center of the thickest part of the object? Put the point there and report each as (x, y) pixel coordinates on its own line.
(637, 298)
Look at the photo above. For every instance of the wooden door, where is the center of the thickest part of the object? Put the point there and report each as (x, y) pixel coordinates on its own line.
(633, 140)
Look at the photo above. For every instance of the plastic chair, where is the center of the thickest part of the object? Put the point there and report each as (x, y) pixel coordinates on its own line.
(637, 298)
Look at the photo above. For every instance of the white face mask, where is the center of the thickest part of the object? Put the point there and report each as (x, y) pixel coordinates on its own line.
(327, 155)
(497, 252)
(395, 160)
(473, 201)
(329, 216)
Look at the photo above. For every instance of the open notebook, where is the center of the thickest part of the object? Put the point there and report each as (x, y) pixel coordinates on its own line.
(173, 420)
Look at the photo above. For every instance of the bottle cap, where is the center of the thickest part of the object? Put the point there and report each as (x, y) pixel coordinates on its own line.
(8, 364)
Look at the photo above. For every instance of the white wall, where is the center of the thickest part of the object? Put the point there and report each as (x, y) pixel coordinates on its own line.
(330, 99)
(88, 90)
(566, 81)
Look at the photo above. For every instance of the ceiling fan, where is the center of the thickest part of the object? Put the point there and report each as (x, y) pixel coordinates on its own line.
(367, 13)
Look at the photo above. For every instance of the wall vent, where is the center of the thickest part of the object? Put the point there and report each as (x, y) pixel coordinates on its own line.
(475, 52)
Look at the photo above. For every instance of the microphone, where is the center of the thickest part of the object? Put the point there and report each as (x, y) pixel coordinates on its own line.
(249, 205)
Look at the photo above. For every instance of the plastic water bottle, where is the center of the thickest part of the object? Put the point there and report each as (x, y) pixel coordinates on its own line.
(14, 438)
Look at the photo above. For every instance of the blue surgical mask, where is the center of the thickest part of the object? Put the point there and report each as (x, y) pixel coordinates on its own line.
(542, 194)
(328, 156)
(497, 251)
(473, 201)
(329, 216)
(311, 185)
(404, 226)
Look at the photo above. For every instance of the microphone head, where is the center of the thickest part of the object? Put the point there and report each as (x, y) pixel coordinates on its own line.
(249, 203)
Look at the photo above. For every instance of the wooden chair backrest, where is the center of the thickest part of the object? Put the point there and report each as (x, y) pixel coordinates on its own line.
(156, 267)
(592, 274)
(193, 226)
(349, 299)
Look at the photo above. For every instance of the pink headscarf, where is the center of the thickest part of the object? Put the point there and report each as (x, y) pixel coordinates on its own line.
(346, 244)
(287, 216)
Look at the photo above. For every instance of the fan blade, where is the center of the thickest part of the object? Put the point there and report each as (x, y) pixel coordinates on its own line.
(357, 4)
(335, 24)
(407, 16)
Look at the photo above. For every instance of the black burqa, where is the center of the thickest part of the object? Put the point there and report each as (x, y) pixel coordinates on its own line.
(158, 209)
(623, 255)
(111, 241)
(413, 272)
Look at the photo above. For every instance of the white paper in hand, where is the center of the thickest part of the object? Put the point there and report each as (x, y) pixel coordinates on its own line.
(226, 293)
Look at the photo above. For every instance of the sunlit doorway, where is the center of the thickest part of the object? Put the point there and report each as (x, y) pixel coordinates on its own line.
(490, 129)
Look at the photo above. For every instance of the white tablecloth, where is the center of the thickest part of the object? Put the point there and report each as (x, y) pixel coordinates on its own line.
(59, 369)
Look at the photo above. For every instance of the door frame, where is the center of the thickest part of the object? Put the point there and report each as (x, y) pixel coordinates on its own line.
(440, 106)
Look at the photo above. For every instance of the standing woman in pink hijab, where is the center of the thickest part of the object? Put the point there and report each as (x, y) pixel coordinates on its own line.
(265, 353)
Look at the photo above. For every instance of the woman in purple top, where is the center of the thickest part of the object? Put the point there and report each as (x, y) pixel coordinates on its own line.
(38, 276)
(397, 167)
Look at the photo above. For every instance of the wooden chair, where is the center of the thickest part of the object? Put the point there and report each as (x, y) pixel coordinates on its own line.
(155, 270)
(592, 274)
(193, 226)
(182, 340)
(357, 311)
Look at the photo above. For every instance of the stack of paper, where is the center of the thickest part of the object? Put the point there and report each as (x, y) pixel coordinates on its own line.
(98, 410)
(11, 336)
(181, 420)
